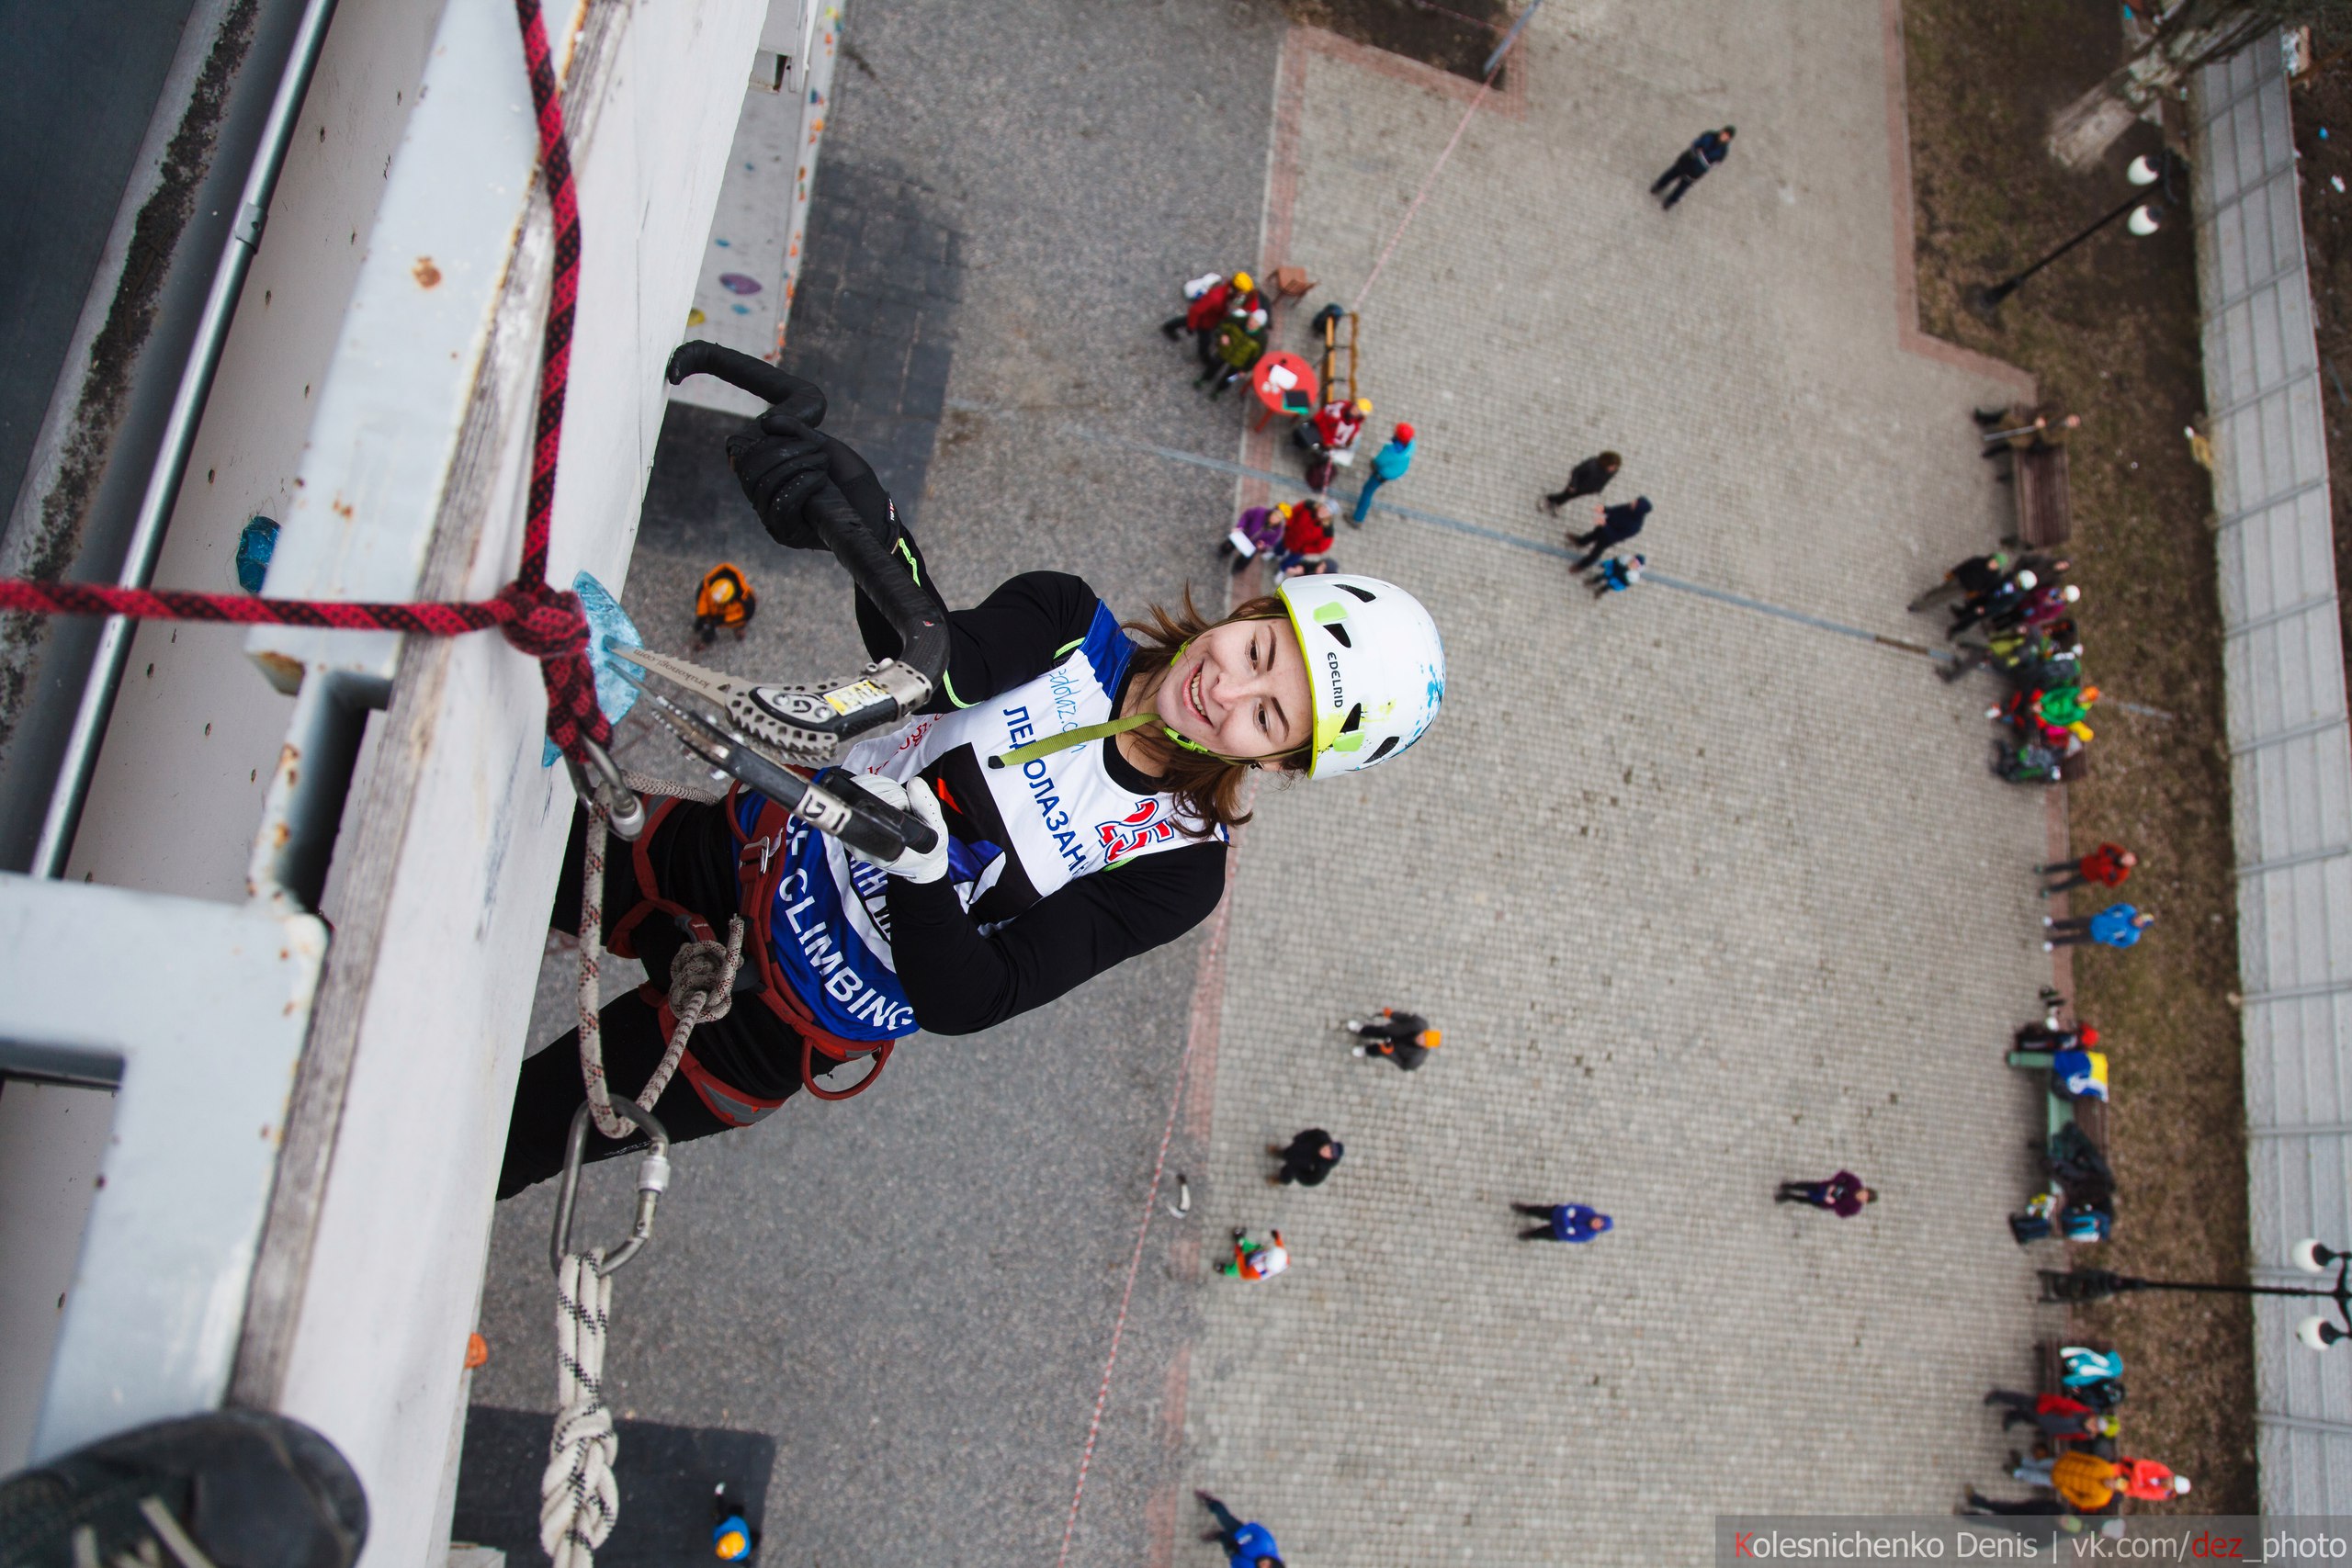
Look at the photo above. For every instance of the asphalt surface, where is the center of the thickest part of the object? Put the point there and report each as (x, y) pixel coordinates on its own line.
(912, 1293)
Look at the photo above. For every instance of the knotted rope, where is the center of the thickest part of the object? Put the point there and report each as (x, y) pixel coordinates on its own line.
(545, 623)
(702, 989)
(578, 1498)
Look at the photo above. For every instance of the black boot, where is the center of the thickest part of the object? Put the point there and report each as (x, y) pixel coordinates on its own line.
(232, 1487)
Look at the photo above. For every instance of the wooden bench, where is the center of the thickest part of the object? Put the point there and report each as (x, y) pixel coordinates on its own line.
(2045, 517)
(2090, 1115)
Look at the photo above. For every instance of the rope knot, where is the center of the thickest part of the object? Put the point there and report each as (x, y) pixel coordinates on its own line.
(704, 973)
(545, 623)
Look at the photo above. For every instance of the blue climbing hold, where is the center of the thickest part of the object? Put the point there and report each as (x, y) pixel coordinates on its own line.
(256, 544)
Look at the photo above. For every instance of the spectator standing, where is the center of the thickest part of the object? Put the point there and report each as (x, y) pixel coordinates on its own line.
(1711, 148)
(1615, 576)
(1563, 1222)
(2117, 925)
(2110, 866)
(1843, 1194)
(1389, 463)
(1254, 1259)
(1333, 430)
(1588, 478)
(1246, 1541)
(1616, 524)
(1994, 601)
(2045, 606)
(2145, 1481)
(1308, 1159)
(2085, 1481)
(1214, 299)
(1976, 576)
(1236, 345)
(1405, 1038)
(2061, 1419)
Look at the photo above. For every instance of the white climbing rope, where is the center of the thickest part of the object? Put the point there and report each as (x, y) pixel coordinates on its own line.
(578, 1498)
(702, 987)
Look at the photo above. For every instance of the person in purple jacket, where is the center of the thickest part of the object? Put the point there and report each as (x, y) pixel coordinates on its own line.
(1843, 1194)
(1563, 1222)
(2117, 925)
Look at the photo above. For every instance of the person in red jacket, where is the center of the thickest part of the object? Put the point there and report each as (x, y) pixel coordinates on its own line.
(2108, 866)
(2147, 1481)
(1214, 299)
(2061, 1419)
(1306, 530)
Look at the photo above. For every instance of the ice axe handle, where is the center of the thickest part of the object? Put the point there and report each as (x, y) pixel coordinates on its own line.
(803, 400)
(875, 828)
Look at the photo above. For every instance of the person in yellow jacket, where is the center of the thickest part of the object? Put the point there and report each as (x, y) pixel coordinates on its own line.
(2088, 1483)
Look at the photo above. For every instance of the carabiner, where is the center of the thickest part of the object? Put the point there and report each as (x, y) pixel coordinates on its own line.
(652, 1179)
(623, 809)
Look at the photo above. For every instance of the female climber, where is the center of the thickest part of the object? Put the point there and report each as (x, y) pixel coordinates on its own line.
(1081, 775)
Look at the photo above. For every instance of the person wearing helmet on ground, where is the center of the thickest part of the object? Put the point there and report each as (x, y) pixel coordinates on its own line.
(1062, 744)
(1389, 463)
(2146, 1481)
(1994, 601)
(1255, 1260)
(1306, 530)
(1330, 435)
(1214, 299)
(725, 599)
(1405, 1038)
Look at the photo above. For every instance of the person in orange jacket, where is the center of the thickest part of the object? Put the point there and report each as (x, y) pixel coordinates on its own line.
(1255, 1260)
(2086, 1482)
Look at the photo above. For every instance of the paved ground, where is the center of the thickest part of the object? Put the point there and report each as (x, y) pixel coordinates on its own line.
(1008, 196)
(1703, 897)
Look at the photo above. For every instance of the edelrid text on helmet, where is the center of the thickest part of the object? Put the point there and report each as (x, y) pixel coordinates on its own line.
(1380, 668)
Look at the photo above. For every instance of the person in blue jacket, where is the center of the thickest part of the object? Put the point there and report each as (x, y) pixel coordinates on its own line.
(1389, 463)
(2117, 925)
(1245, 1541)
(1711, 148)
(1563, 1222)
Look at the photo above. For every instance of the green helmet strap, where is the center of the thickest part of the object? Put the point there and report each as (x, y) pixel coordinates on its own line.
(1021, 755)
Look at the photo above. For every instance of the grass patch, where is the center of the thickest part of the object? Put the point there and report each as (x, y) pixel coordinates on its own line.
(2111, 332)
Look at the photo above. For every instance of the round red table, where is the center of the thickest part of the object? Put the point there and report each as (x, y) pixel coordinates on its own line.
(1297, 399)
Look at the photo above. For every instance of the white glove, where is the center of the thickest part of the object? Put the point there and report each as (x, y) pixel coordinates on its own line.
(913, 796)
(1203, 284)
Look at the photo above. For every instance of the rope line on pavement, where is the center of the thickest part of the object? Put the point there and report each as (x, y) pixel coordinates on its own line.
(1485, 86)
(1539, 546)
(1126, 1297)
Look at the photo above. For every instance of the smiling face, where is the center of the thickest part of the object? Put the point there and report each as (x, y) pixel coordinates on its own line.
(1239, 689)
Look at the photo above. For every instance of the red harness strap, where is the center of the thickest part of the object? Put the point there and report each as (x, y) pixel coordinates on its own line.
(759, 868)
(759, 861)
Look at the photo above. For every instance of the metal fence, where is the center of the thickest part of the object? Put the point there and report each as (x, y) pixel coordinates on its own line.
(2290, 751)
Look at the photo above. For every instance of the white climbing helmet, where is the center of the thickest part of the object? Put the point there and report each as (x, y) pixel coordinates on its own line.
(1375, 664)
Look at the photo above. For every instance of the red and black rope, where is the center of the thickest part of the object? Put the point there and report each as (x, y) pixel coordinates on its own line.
(547, 624)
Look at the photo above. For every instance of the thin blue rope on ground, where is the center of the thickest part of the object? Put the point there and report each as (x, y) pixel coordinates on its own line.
(1520, 541)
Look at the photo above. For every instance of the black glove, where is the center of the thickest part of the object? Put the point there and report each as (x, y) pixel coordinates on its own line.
(780, 463)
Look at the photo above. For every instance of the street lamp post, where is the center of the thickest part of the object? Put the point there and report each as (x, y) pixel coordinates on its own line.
(2316, 1332)
(2146, 219)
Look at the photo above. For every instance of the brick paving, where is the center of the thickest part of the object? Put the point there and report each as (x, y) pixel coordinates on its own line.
(1703, 899)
